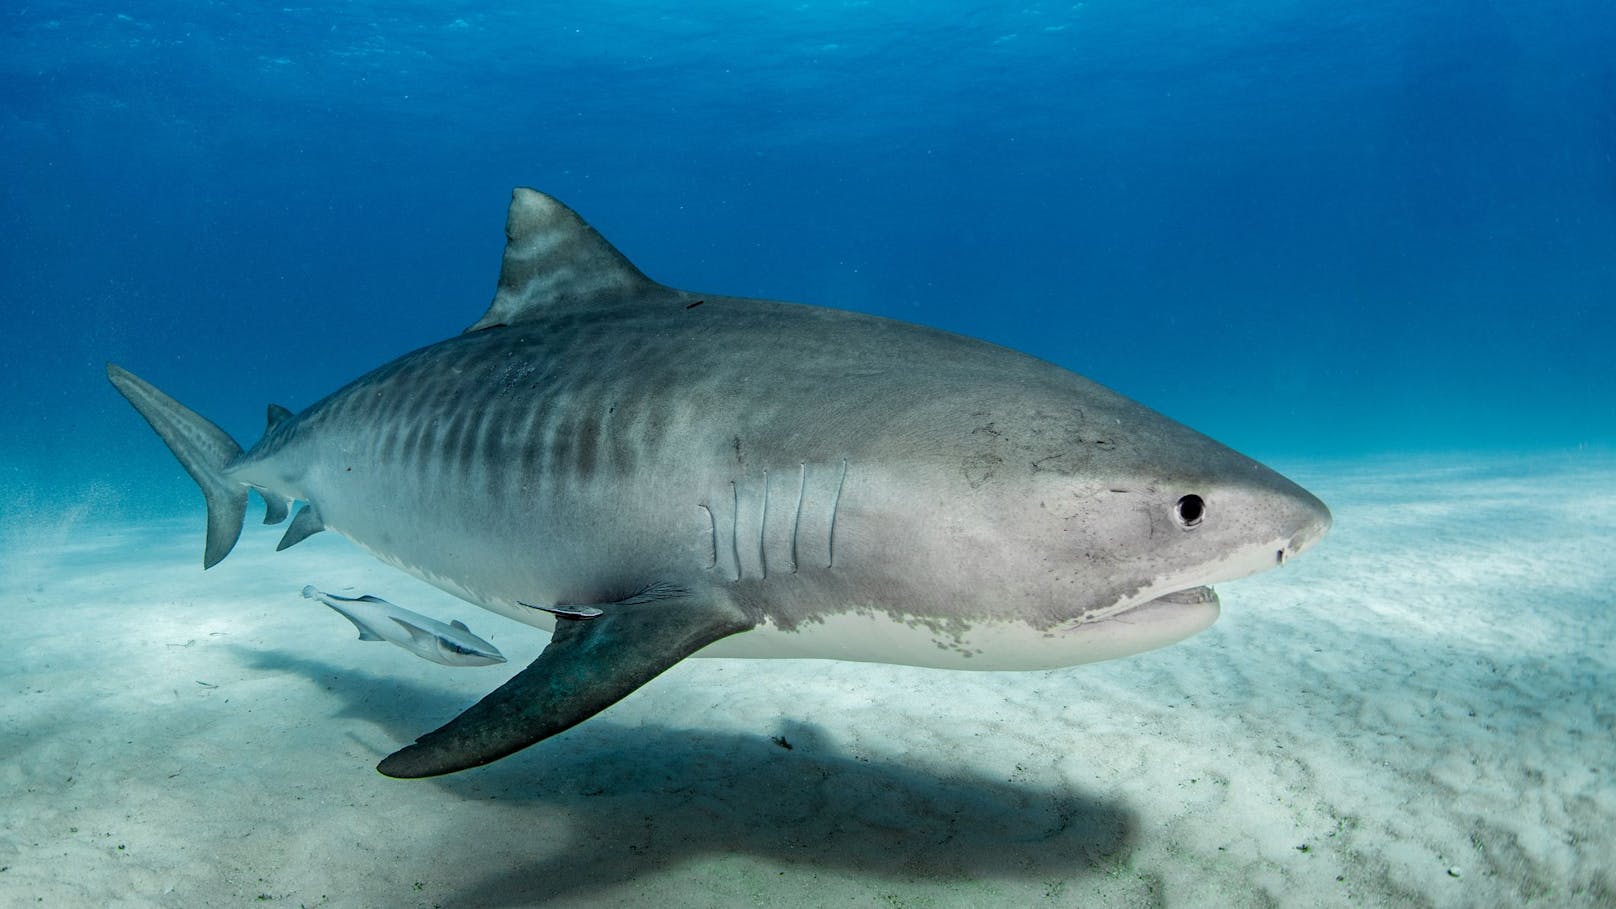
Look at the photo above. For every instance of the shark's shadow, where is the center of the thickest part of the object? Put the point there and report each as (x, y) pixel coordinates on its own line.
(627, 801)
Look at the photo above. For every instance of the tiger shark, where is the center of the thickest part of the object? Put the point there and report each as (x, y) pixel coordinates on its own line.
(650, 472)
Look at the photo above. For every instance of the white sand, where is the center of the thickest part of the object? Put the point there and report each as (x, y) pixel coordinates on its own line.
(1419, 712)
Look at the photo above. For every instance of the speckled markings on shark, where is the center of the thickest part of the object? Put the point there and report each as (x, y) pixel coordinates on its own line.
(651, 473)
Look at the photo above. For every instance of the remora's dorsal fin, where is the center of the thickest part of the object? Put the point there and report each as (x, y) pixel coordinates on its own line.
(305, 525)
(554, 258)
(588, 666)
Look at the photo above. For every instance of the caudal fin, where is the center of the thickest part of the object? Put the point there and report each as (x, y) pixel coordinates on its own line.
(204, 450)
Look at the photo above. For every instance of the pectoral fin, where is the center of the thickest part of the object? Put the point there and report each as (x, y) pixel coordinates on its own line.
(588, 666)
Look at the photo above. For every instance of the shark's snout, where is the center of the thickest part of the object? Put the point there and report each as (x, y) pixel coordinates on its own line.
(1309, 522)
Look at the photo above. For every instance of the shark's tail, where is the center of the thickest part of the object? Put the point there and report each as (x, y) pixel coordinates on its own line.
(204, 451)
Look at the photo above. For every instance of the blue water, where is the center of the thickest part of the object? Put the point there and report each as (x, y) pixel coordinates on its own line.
(1372, 243)
(1304, 228)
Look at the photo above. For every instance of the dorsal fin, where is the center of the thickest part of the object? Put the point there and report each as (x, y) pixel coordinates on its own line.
(554, 258)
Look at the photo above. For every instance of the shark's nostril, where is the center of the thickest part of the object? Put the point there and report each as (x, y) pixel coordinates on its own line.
(1303, 539)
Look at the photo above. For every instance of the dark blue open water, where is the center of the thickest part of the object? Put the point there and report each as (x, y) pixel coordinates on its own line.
(1304, 228)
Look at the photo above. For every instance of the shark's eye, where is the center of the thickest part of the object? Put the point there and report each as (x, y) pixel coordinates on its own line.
(1189, 511)
(452, 647)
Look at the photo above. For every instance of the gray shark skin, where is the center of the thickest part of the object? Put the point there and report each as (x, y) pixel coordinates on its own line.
(651, 472)
(378, 620)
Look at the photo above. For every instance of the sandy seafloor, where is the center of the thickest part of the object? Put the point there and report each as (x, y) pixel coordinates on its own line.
(1419, 712)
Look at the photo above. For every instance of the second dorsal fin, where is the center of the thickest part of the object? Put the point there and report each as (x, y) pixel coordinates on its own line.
(553, 258)
(277, 416)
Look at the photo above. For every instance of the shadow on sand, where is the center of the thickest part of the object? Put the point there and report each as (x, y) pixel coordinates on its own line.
(621, 802)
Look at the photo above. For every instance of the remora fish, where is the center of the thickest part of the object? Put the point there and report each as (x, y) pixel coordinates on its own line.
(378, 620)
(650, 471)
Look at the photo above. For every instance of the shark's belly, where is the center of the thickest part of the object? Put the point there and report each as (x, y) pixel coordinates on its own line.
(877, 637)
(509, 554)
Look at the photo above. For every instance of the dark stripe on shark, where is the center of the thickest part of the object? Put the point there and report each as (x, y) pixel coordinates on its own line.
(462, 439)
(416, 444)
(492, 452)
(560, 445)
(491, 417)
(588, 428)
(530, 440)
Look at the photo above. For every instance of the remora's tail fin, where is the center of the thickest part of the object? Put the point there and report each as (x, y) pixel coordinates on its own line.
(203, 450)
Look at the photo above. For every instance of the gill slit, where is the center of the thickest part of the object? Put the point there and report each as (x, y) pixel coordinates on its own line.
(712, 537)
(763, 528)
(796, 520)
(735, 527)
(835, 503)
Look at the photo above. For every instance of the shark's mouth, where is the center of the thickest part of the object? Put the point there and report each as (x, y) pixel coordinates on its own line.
(1156, 622)
(1194, 596)
(1154, 608)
